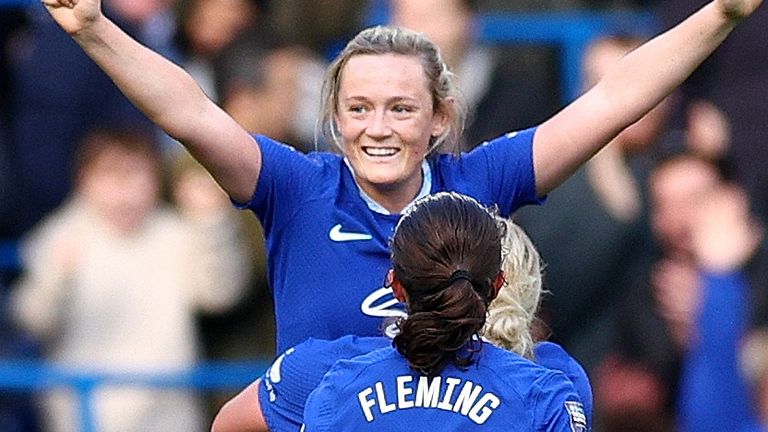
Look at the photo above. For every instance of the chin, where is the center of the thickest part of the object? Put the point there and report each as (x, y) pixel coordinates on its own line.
(384, 183)
(379, 174)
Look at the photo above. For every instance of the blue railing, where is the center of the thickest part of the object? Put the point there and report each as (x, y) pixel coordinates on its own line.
(38, 377)
(9, 257)
(16, 3)
(570, 32)
(34, 376)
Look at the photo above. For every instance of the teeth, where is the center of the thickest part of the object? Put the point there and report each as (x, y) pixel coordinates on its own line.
(380, 151)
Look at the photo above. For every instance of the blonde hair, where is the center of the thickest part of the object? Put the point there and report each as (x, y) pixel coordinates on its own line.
(381, 40)
(513, 312)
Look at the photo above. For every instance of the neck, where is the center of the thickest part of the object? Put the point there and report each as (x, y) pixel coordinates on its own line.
(393, 198)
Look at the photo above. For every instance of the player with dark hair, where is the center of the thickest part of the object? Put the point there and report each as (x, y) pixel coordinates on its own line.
(276, 401)
(447, 268)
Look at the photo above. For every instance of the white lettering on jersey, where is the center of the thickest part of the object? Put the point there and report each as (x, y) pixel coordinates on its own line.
(274, 375)
(382, 303)
(577, 415)
(428, 392)
(470, 402)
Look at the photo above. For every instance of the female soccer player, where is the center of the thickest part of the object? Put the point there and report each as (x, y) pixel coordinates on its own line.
(276, 401)
(389, 103)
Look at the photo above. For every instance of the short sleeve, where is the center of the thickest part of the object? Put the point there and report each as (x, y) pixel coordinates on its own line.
(286, 180)
(497, 172)
(557, 405)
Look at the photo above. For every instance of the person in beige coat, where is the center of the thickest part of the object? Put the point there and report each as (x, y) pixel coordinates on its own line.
(113, 279)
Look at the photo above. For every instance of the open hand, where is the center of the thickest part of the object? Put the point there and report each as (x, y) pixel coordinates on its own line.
(74, 15)
(725, 235)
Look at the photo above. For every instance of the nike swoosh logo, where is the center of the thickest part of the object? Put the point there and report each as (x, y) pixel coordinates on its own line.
(338, 235)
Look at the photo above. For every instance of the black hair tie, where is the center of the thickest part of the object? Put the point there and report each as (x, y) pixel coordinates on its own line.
(460, 274)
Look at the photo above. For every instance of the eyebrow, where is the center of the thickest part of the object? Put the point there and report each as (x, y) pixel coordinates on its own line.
(390, 100)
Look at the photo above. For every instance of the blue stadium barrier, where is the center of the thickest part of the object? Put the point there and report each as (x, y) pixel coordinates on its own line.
(9, 257)
(571, 32)
(37, 377)
(16, 3)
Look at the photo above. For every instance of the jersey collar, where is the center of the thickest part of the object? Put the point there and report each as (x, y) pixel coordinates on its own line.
(426, 187)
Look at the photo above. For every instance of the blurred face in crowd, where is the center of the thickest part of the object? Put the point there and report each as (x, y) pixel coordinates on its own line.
(386, 119)
(270, 107)
(676, 189)
(121, 186)
(211, 24)
(447, 23)
(138, 11)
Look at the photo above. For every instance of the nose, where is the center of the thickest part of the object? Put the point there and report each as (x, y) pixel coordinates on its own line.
(379, 126)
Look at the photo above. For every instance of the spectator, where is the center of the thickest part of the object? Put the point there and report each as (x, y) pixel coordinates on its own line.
(493, 79)
(40, 144)
(714, 317)
(736, 81)
(591, 233)
(113, 279)
(754, 367)
(272, 89)
(206, 28)
(659, 315)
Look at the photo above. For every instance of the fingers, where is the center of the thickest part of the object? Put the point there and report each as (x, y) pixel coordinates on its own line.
(59, 3)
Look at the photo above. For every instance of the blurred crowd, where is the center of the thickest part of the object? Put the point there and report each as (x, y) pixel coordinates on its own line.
(125, 239)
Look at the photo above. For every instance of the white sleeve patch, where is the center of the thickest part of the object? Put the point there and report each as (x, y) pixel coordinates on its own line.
(578, 418)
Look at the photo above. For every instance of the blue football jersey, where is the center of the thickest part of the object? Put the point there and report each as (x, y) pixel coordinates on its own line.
(500, 392)
(286, 385)
(553, 356)
(328, 252)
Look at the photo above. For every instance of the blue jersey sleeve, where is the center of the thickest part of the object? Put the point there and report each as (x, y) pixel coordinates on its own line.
(498, 172)
(553, 356)
(286, 385)
(281, 389)
(287, 179)
(713, 394)
(558, 407)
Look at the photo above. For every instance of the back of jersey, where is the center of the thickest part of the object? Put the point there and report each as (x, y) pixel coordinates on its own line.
(501, 391)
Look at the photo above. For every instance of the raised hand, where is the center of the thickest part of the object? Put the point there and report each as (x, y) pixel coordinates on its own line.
(738, 9)
(74, 15)
(724, 233)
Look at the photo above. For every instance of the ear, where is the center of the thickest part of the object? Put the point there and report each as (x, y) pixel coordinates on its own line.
(441, 116)
(498, 283)
(397, 287)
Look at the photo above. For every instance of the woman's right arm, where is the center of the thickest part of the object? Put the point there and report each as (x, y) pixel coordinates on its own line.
(166, 94)
(242, 413)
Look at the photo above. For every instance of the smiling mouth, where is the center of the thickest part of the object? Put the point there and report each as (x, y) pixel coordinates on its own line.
(380, 151)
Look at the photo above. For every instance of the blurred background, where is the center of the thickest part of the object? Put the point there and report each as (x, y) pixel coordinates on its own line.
(657, 267)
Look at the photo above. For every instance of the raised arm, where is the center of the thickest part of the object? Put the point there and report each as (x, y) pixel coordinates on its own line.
(630, 89)
(166, 94)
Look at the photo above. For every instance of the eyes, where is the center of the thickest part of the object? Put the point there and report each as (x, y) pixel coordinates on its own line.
(401, 110)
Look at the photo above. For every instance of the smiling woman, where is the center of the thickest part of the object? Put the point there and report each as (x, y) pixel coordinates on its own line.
(388, 122)
(389, 101)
